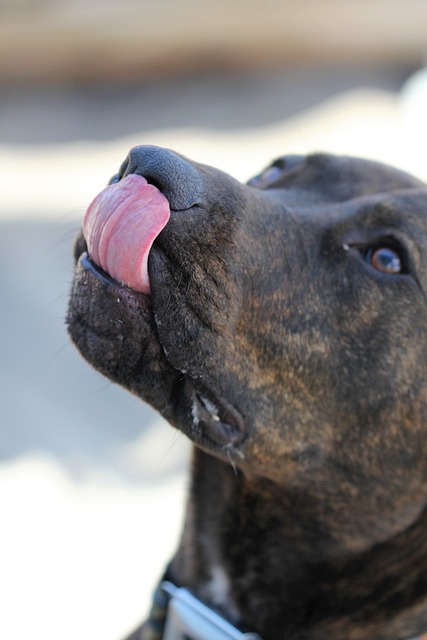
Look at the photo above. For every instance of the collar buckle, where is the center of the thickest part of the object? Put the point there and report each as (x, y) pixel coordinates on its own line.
(190, 619)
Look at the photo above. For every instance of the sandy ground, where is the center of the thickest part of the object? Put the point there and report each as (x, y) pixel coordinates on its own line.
(92, 481)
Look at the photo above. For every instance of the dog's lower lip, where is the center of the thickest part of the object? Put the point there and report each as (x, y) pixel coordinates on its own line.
(90, 266)
(100, 274)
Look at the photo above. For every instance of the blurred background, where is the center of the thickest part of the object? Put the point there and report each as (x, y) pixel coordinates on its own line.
(92, 482)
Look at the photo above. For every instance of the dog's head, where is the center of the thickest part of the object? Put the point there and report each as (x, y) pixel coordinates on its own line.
(281, 324)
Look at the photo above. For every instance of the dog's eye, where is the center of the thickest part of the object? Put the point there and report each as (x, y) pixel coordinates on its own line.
(384, 259)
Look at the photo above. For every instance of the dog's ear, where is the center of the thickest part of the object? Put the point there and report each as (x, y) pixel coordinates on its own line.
(277, 170)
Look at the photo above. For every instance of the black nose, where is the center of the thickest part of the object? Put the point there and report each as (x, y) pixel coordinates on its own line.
(180, 181)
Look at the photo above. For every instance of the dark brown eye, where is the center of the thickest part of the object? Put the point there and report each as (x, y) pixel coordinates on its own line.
(384, 259)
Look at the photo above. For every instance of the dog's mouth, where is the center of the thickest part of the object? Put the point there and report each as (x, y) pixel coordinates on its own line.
(120, 228)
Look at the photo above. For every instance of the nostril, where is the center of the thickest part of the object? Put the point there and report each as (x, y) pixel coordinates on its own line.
(156, 183)
(122, 172)
(133, 162)
(116, 178)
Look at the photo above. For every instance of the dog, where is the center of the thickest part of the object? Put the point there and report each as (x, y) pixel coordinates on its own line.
(282, 326)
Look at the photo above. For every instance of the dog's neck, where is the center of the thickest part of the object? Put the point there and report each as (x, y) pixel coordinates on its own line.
(257, 558)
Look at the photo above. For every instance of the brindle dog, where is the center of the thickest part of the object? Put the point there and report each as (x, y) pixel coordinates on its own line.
(285, 333)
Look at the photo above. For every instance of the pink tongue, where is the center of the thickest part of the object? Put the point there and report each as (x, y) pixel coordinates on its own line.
(120, 226)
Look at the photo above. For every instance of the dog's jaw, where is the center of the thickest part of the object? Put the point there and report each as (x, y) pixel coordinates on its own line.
(124, 344)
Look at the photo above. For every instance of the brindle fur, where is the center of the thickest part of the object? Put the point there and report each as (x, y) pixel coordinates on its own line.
(311, 505)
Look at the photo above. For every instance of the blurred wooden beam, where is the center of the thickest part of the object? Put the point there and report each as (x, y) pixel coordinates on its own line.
(108, 39)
